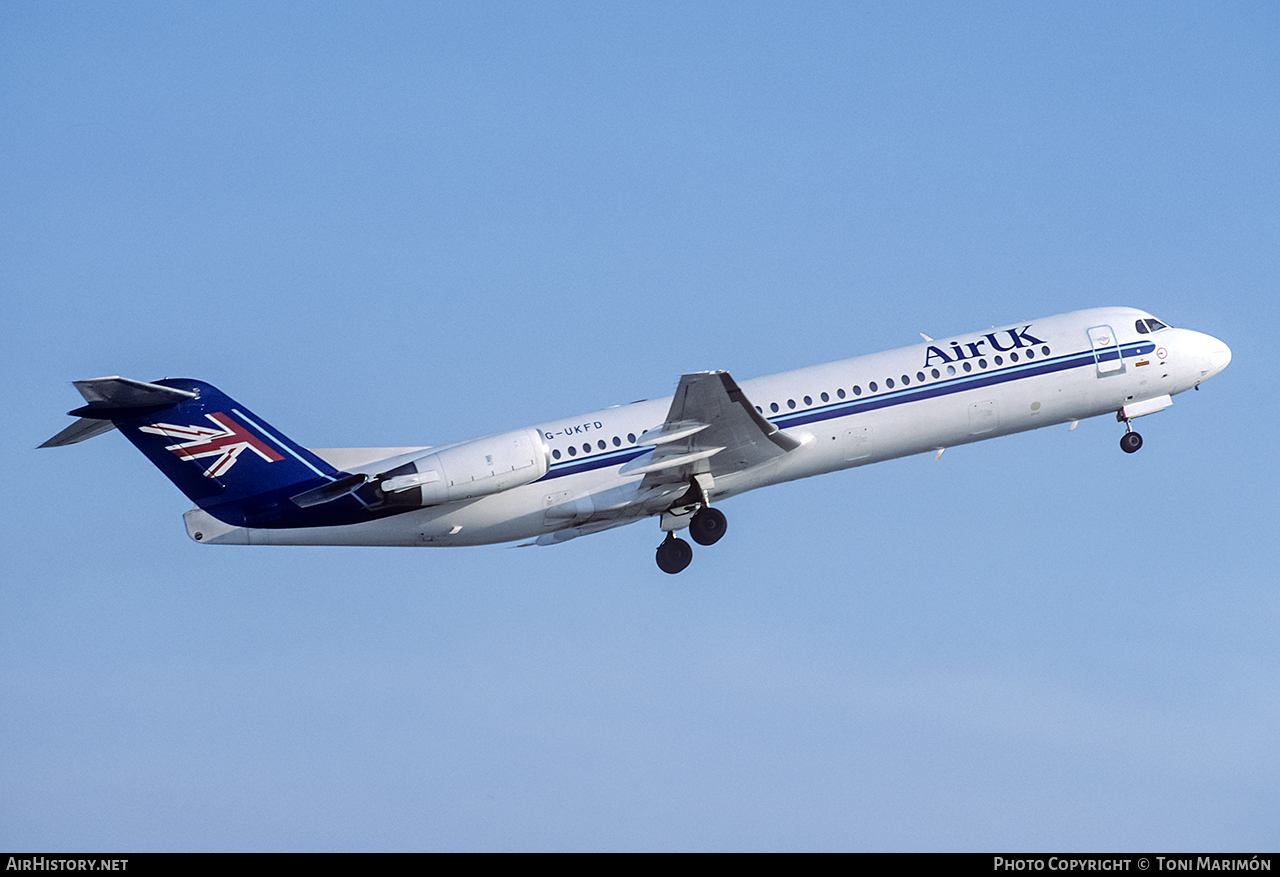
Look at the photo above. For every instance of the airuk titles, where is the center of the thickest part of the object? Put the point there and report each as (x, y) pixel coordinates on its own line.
(1015, 337)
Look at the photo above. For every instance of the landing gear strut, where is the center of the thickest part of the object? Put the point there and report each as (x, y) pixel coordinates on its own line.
(1130, 441)
(706, 527)
(674, 554)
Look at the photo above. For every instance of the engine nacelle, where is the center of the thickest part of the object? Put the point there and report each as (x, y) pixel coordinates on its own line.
(468, 470)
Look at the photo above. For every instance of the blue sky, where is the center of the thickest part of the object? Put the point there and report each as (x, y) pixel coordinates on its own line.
(415, 223)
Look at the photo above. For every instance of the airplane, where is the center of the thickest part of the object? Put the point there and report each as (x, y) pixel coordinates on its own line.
(674, 459)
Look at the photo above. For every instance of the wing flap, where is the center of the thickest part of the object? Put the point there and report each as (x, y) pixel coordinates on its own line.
(670, 432)
(713, 429)
(642, 465)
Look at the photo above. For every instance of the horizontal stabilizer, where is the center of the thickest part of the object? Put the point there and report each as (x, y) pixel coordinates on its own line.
(83, 429)
(109, 398)
(231, 463)
(117, 392)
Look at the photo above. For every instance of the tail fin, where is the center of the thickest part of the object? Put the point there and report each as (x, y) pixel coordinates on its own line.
(226, 459)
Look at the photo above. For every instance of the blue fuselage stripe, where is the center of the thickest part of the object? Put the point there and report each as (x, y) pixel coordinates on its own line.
(944, 387)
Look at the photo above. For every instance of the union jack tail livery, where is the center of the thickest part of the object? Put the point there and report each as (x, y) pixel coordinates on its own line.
(226, 459)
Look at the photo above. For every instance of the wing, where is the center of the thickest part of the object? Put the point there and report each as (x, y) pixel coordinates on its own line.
(711, 430)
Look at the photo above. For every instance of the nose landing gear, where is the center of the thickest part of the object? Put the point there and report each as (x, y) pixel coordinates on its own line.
(1130, 442)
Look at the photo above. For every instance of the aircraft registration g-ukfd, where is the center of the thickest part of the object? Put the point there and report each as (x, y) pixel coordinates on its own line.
(674, 459)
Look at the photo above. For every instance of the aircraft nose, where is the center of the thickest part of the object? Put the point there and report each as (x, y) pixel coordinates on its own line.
(1218, 355)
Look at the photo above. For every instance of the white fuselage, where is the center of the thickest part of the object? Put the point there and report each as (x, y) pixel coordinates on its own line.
(916, 399)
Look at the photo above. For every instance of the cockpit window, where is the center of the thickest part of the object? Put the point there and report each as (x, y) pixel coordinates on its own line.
(1145, 326)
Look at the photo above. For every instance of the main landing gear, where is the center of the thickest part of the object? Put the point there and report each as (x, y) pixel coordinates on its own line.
(674, 554)
(706, 528)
